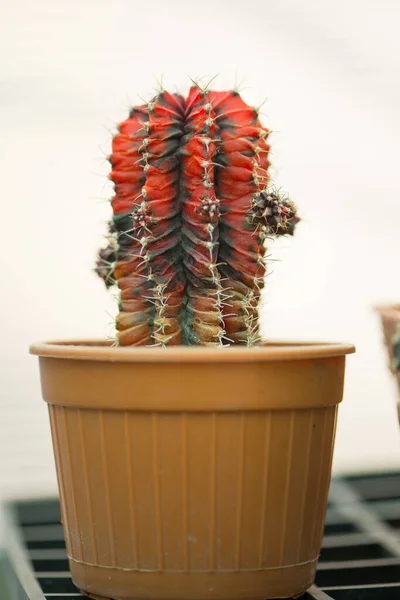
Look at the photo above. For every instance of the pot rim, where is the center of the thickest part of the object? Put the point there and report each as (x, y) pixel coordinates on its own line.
(102, 350)
(388, 310)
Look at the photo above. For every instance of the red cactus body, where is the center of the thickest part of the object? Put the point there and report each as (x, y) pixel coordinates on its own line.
(192, 210)
(244, 156)
(200, 214)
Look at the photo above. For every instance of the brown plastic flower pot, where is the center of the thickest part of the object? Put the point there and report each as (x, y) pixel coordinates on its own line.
(193, 473)
(390, 320)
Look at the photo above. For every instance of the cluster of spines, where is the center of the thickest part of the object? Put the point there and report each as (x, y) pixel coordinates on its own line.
(192, 210)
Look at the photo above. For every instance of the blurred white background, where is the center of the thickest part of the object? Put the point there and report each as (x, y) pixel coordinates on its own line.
(69, 72)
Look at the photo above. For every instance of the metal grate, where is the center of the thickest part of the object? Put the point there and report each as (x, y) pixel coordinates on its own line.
(360, 557)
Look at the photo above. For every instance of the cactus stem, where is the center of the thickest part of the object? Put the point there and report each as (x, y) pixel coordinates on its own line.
(169, 190)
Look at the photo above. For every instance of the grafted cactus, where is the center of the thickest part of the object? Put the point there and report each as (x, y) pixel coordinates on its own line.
(192, 210)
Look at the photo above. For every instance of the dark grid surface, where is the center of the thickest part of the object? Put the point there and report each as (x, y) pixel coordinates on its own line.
(360, 557)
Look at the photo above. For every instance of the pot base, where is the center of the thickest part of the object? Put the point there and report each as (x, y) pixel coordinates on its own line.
(97, 597)
(288, 582)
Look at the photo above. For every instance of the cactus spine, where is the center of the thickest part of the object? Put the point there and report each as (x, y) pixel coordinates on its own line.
(192, 209)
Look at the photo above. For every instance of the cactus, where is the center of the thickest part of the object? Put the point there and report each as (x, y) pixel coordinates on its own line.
(192, 210)
(396, 349)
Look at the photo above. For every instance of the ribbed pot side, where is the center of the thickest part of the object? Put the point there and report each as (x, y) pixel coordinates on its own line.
(193, 480)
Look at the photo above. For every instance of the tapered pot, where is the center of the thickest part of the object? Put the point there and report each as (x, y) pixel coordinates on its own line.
(193, 473)
(390, 321)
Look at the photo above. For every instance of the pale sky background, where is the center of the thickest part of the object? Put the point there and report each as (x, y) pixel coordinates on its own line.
(331, 71)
